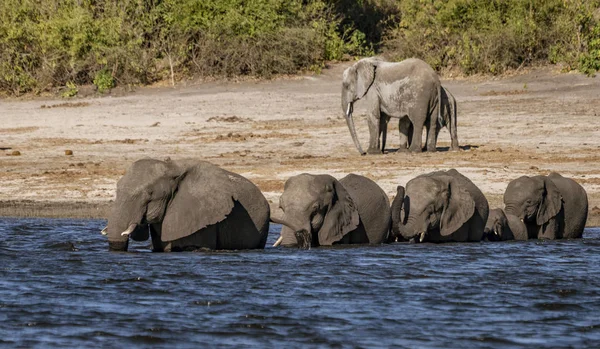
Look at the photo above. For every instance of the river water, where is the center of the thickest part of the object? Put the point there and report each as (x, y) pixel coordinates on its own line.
(60, 287)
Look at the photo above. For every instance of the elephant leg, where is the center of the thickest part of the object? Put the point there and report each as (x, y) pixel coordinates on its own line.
(155, 234)
(549, 231)
(432, 132)
(373, 120)
(452, 126)
(416, 146)
(404, 126)
(383, 120)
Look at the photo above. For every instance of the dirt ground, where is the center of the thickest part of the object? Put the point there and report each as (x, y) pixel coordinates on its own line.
(527, 124)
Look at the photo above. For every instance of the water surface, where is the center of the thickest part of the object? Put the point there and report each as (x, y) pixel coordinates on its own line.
(60, 287)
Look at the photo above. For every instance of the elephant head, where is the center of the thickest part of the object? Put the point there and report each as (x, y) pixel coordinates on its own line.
(497, 227)
(533, 200)
(317, 208)
(435, 203)
(356, 82)
(177, 198)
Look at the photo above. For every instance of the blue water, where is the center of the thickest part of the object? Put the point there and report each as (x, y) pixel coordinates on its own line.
(60, 287)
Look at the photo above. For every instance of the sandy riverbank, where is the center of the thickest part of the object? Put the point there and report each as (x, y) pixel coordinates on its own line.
(528, 124)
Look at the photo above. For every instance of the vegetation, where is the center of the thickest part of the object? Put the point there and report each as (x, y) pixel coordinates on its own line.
(46, 44)
(496, 35)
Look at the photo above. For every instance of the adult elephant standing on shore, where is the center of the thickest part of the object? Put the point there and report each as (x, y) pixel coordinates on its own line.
(409, 90)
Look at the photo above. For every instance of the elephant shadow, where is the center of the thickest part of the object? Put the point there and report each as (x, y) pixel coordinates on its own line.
(439, 149)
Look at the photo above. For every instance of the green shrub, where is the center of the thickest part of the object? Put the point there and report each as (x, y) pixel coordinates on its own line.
(71, 90)
(493, 36)
(104, 81)
(49, 43)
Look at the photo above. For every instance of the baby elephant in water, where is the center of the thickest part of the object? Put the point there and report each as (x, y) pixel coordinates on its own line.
(498, 227)
(319, 210)
(187, 205)
(439, 207)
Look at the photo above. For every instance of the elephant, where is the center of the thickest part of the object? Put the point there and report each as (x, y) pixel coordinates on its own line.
(319, 210)
(546, 207)
(409, 90)
(440, 206)
(448, 118)
(498, 227)
(187, 205)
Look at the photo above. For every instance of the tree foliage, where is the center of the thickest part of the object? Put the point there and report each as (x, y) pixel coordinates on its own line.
(46, 44)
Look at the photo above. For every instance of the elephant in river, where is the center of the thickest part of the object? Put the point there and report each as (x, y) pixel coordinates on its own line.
(498, 227)
(187, 205)
(439, 207)
(319, 210)
(546, 207)
(409, 90)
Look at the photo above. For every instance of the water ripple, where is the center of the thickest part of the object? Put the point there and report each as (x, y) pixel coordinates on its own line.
(60, 287)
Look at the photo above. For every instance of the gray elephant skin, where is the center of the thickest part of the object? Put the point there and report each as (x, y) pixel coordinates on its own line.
(409, 90)
(498, 227)
(187, 205)
(353, 210)
(547, 207)
(440, 206)
(448, 118)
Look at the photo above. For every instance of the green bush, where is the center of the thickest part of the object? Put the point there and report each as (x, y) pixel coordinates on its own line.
(45, 44)
(496, 35)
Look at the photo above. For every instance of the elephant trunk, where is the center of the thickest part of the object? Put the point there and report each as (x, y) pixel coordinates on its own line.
(121, 225)
(512, 209)
(397, 219)
(408, 230)
(349, 106)
(517, 227)
(303, 236)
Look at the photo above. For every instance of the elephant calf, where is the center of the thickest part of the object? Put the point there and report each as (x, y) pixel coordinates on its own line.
(498, 227)
(447, 117)
(319, 210)
(439, 207)
(187, 205)
(546, 207)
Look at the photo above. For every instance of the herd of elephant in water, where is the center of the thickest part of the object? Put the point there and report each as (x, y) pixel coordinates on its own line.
(192, 204)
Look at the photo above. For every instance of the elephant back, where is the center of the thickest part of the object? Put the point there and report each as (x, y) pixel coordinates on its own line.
(575, 205)
(373, 206)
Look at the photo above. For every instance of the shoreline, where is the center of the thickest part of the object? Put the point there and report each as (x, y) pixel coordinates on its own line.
(100, 210)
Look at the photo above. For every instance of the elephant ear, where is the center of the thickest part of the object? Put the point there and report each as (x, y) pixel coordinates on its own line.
(342, 217)
(204, 197)
(550, 204)
(365, 75)
(458, 209)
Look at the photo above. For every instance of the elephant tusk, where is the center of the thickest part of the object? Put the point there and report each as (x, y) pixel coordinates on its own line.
(422, 237)
(348, 110)
(278, 242)
(129, 230)
(103, 232)
(496, 232)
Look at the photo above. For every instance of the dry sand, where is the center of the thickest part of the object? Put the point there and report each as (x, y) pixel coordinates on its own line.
(529, 124)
